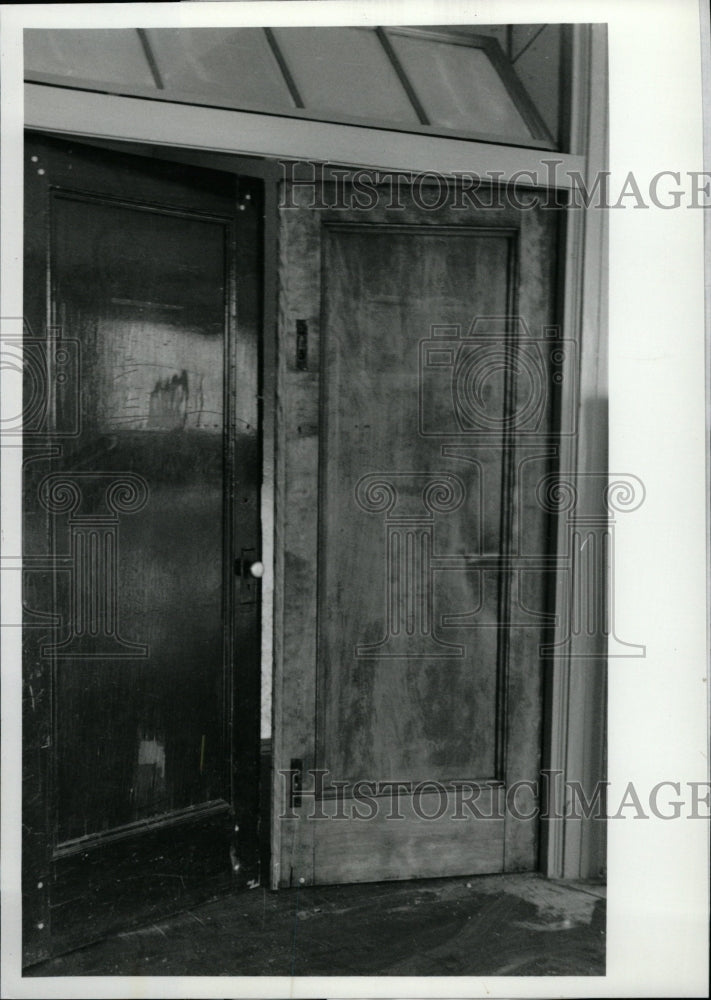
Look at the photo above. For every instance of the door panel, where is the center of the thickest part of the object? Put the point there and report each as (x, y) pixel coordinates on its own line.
(141, 491)
(153, 343)
(425, 711)
(433, 373)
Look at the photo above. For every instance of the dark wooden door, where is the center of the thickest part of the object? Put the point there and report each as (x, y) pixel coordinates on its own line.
(416, 701)
(142, 470)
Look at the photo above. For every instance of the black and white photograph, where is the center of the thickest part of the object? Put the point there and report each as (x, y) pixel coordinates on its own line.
(354, 513)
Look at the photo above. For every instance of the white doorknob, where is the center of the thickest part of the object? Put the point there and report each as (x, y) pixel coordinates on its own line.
(257, 570)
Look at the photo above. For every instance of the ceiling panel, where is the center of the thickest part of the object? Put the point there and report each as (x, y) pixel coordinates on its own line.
(345, 71)
(113, 54)
(238, 64)
(459, 86)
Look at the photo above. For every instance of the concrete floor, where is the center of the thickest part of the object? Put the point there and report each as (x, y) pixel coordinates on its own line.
(515, 925)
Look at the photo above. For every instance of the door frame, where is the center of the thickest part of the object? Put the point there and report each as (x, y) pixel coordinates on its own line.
(574, 699)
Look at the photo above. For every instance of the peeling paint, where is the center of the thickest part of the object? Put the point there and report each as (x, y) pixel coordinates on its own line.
(149, 786)
(168, 404)
(152, 753)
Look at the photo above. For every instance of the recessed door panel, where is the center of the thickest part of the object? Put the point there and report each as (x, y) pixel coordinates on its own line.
(149, 313)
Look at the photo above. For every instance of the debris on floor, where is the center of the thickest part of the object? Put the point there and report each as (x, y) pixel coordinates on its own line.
(516, 925)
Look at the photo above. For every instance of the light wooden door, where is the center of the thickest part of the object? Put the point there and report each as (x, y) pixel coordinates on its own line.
(419, 421)
(142, 473)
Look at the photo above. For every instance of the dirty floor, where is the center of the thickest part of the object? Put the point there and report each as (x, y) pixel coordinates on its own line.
(517, 925)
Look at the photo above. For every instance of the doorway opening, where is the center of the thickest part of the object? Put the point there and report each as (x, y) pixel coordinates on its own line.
(237, 279)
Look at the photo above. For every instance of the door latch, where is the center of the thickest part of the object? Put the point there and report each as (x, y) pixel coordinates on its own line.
(296, 772)
(249, 570)
(302, 345)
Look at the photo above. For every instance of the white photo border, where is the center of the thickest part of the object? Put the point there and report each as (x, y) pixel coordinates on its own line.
(657, 918)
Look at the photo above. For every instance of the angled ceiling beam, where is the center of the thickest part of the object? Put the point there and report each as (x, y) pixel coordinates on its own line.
(528, 44)
(284, 68)
(402, 76)
(150, 58)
